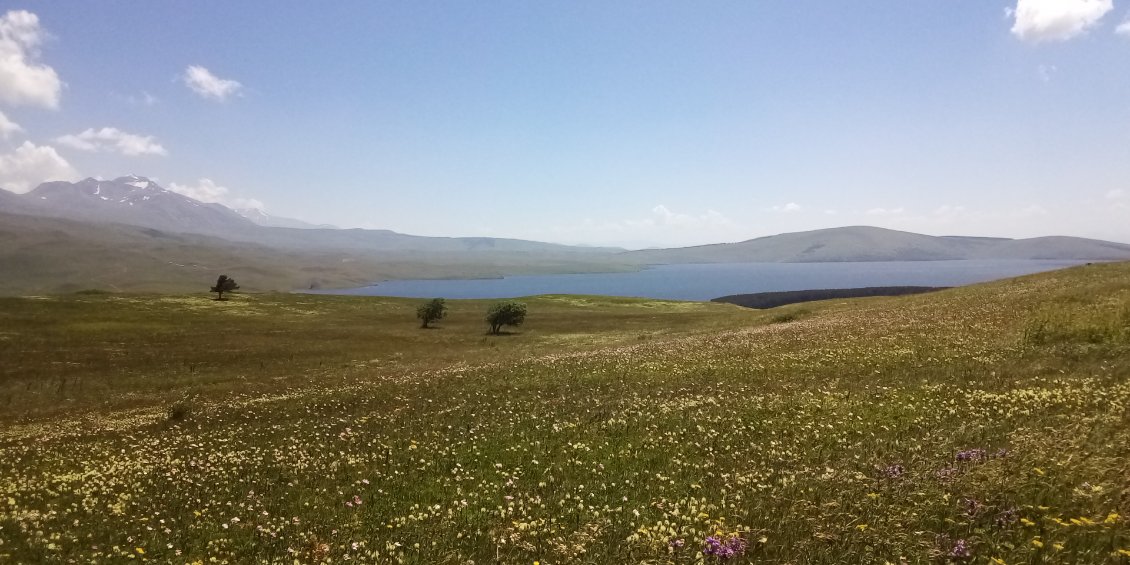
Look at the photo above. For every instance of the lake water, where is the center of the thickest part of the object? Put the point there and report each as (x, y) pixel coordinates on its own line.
(703, 282)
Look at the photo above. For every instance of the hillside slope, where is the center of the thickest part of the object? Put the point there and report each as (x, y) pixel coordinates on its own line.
(51, 255)
(863, 243)
(139, 201)
(969, 422)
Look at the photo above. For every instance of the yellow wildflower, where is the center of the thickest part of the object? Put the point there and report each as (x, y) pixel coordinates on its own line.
(140, 550)
(1111, 518)
(1036, 542)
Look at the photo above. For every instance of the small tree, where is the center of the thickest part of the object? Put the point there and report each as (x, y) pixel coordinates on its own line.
(505, 314)
(434, 311)
(224, 284)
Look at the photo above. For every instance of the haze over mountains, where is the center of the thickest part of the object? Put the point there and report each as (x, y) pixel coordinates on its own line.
(864, 243)
(131, 234)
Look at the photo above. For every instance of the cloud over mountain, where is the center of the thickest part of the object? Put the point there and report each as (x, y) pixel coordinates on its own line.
(206, 190)
(29, 165)
(113, 140)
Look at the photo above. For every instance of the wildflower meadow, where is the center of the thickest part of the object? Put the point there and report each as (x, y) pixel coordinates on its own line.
(985, 424)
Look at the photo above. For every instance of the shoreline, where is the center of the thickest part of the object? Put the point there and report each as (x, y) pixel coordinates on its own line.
(766, 300)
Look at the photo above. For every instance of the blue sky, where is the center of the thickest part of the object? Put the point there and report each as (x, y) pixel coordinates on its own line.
(620, 123)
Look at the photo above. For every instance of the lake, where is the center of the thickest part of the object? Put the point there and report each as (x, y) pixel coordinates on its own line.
(704, 282)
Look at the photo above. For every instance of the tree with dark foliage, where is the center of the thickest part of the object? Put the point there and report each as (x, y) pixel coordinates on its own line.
(505, 314)
(224, 284)
(434, 311)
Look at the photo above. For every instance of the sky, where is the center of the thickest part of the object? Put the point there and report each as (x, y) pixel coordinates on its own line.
(633, 124)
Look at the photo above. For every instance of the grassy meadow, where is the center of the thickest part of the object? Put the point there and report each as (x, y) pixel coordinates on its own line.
(985, 424)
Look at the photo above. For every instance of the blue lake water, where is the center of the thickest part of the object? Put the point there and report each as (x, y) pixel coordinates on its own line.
(703, 282)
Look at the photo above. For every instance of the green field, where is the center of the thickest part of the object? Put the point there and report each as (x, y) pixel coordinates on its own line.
(986, 424)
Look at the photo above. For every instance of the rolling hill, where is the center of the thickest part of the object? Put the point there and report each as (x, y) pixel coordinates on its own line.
(139, 201)
(864, 243)
(130, 234)
(53, 255)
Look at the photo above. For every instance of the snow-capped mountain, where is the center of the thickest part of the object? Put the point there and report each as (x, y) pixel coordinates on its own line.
(132, 200)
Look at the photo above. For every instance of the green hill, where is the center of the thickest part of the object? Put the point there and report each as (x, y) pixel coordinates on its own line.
(41, 255)
(989, 422)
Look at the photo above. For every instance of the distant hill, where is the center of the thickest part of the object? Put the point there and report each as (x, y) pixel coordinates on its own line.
(262, 218)
(54, 255)
(139, 201)
(130, 233)
(863, 243)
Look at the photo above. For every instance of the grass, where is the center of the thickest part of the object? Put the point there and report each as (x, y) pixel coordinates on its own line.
(983, 423)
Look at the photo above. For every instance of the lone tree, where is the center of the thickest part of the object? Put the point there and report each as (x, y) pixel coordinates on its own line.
(505, 314)
(434, 311)
(224, 284)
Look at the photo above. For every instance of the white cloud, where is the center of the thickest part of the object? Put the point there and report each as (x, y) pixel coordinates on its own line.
(8, 127)
(885, 211)
(115, 140)
(1123, 28)
(29, 165)
(206, 190)
(23, 80)
(1116, 194)
(1056, 20)
(208, 85)
(790, 207)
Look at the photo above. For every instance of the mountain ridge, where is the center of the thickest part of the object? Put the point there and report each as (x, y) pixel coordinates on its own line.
(130, 232)
(138, 201)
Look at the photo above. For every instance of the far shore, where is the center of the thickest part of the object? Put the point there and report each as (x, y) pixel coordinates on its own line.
(762, 300)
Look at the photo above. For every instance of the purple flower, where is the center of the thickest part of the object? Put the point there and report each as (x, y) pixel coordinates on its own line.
(723, 549)
(971, 455)
(712, 545)
(960, 550)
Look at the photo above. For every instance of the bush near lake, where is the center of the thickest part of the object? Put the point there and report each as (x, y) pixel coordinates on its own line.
(987, 424)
